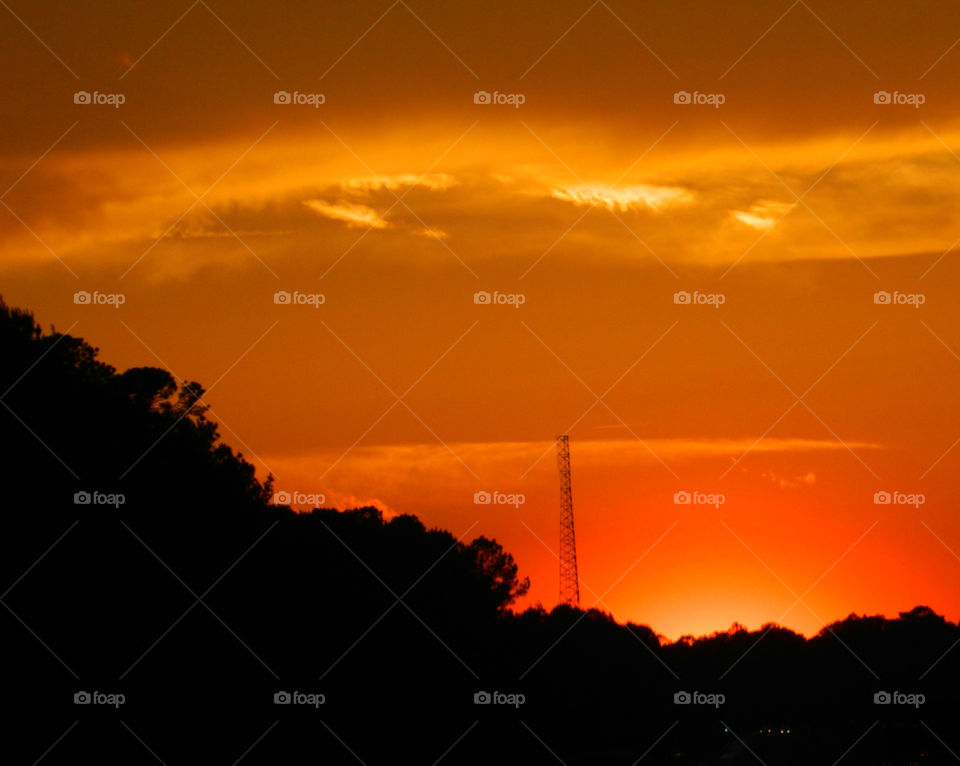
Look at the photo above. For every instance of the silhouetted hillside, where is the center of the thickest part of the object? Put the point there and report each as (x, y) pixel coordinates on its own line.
(199, 601)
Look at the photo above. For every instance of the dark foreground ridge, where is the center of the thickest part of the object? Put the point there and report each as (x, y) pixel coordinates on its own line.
(159, 609)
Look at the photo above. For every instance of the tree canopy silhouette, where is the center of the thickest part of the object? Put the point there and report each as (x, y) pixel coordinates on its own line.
(197, 581)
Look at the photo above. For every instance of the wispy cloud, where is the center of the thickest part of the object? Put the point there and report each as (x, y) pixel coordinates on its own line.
(432, 181)
(438, 461)
(807, 479)
(351, 213)
(762, 215)
(631, 197)
(343, 500)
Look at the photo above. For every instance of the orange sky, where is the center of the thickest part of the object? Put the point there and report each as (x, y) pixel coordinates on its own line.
(596, 200)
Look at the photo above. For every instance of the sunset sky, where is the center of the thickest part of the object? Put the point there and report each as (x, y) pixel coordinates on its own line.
(829, 173)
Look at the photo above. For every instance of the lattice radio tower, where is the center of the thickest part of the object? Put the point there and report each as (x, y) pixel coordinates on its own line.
(569, 579)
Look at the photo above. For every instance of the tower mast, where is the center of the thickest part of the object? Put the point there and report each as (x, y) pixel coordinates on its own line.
(569, 579)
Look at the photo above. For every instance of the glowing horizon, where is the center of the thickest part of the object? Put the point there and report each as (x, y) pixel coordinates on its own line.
(400, 292)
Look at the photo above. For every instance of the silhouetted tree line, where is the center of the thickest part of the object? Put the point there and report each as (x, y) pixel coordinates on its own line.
(199, 600)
